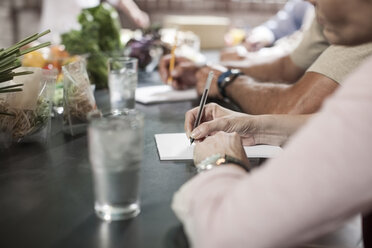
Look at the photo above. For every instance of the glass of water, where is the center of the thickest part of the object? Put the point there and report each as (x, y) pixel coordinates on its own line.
(122, 81)
(115, 153)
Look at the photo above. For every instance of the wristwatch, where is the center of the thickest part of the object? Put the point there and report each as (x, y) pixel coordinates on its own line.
(226, 79)
(217, 160)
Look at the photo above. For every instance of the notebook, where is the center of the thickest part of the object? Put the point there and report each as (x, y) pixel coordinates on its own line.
(163, 93)
(176, 146)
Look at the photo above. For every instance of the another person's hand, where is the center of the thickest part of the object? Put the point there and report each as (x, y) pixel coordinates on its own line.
(142, 19)
(183, 75)
(216, 118)
(202, 76)
(232, 53)
(258, 38)
(253, 45)
(223, 143)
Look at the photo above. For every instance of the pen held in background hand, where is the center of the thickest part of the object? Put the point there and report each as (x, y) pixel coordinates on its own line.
(172, 61)
(202, 101)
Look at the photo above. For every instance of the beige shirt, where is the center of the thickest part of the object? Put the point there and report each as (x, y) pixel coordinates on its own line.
(315, 54)
(336, 62)
(311, 46)
(323, 177)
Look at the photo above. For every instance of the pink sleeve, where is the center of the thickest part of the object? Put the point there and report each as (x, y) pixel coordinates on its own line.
(323, 178)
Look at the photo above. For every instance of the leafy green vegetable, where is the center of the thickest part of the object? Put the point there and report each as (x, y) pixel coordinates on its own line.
(97, 69)
(99, 36)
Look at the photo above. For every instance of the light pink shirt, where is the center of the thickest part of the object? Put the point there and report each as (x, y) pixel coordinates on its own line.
(323, 178)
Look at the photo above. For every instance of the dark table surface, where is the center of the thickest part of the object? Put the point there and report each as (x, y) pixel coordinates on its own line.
(46, 197)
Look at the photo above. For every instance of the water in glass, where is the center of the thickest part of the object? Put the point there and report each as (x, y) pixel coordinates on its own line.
(116, 148)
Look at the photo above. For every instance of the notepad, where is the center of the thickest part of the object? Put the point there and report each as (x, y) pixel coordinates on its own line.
(163, 93)
(176, 146)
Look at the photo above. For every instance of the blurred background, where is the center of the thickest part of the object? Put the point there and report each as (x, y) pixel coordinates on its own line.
(20, 18)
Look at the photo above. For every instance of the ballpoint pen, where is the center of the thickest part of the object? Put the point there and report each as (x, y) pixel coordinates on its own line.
(172, 61)
(202, 101)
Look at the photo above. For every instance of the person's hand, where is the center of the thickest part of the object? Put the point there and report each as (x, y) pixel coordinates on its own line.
(142, 20)
(233, 53)
(183, 75)
(258, 38)
(202, 76)
(230, 55)
(223, 143)
(216, 118)
(253, 45)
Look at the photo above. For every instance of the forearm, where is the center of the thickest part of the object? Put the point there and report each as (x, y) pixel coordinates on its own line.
(221, 207)
(276, 129)
(304, 97)
(129, 7)
(321, 179)
(257, 98)
(225, 208)
(279, 70)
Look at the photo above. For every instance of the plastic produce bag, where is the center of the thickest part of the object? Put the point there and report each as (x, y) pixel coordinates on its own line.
(78, 98)
(25, 115)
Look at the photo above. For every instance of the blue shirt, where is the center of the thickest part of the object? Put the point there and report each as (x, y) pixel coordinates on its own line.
(289, 19)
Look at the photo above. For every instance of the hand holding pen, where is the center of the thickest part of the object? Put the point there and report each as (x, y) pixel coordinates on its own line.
(172, 61)
(202, 101)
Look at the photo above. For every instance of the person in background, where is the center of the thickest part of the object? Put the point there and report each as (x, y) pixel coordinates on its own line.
(322, 178)
(61, 16)
(292, 20)
(287, 21)
(300, 81)
(131, 10)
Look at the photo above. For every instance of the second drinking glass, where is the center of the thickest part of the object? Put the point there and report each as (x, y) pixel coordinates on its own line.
(123, 80)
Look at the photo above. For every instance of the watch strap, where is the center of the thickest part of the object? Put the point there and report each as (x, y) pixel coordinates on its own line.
(217, 160)
(230, 159)
(227, 78)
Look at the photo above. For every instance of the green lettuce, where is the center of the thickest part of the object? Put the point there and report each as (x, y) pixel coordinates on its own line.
(98, 37)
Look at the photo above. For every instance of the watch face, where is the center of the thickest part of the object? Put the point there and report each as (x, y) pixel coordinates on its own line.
(209, 162)
(235, 71)
(220, 161)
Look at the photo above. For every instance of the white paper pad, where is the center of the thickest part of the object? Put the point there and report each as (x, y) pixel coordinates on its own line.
(163, 93)
(176, 146)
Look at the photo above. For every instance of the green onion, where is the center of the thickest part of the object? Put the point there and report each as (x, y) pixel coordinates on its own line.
(9, 60)
(3, 113)
(2, 89)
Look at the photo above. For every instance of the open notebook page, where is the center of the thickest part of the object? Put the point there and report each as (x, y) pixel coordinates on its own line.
(163, 93)
(176, 146)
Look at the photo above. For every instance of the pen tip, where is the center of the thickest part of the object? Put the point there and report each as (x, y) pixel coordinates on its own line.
(191, 141)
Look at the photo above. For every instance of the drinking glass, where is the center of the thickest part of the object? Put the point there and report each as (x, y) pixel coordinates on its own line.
(122, 83)
(115, 153)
